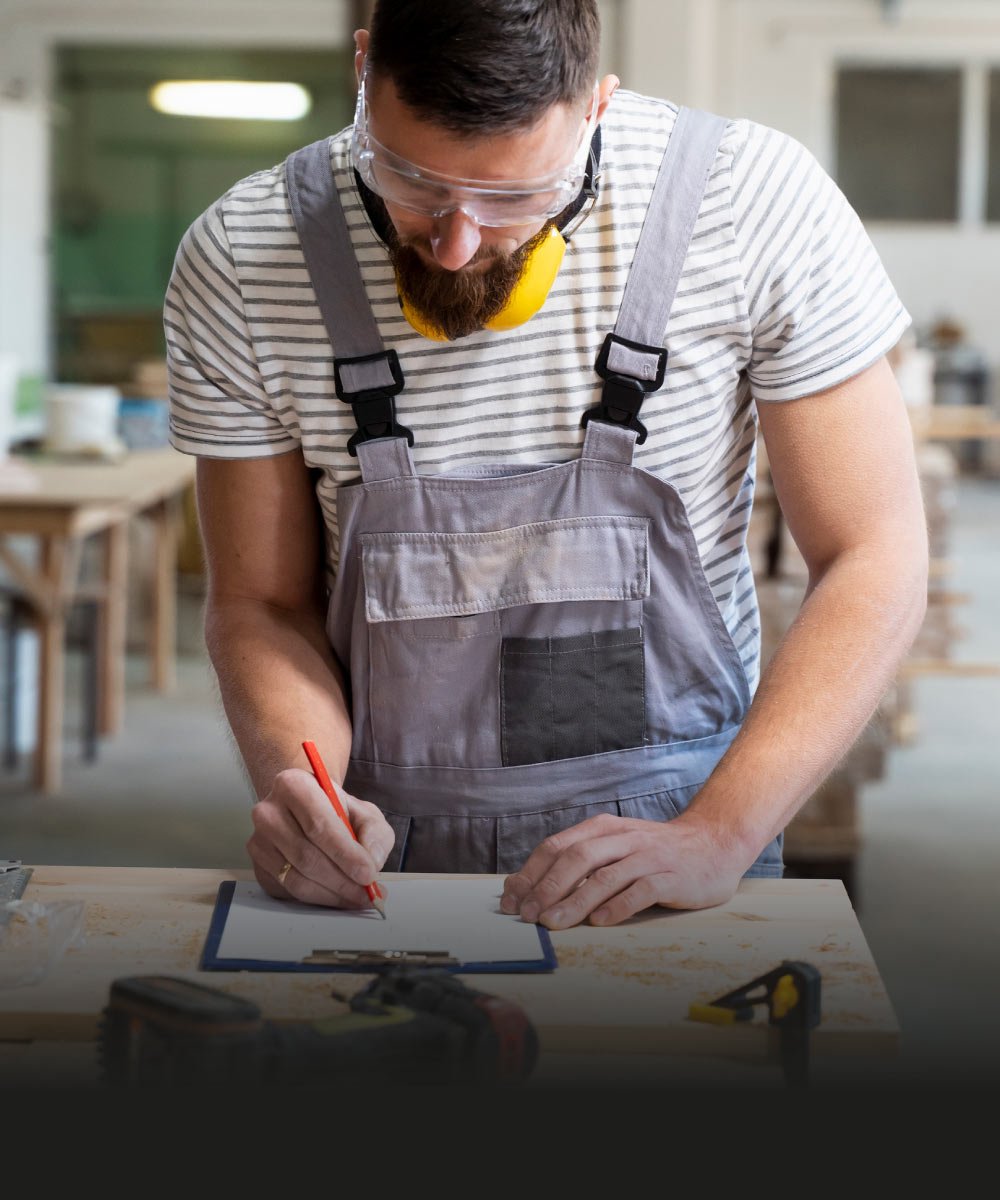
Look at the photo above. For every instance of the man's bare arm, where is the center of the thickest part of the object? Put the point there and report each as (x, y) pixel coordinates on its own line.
(279, 680)
(845, 476)
(844, 471)
(264, 618)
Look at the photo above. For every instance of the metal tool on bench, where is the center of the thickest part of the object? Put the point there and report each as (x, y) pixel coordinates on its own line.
(13, 881)
(407, 1025)
(792, 995)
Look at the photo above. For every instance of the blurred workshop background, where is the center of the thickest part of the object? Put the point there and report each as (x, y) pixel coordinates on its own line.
(115, 749)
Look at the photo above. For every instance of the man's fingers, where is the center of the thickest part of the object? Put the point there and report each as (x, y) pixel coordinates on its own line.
(624, 866)
(279, 877)
(297, 824)
(333, 869)
(373, 830)
(668, 889)
(576, 859)
(323, 829)
(643, 894)
(518, 887)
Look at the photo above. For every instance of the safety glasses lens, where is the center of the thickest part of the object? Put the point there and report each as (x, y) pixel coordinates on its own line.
(401, 182)
(433, 199)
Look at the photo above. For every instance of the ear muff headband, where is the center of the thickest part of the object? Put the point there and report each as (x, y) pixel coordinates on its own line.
(525, 300)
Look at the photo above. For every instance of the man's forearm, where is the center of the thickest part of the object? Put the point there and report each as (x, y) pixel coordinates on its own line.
(820, 689)
(280, 684)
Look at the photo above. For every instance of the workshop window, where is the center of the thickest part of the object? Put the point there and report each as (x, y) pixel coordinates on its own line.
(898, 142)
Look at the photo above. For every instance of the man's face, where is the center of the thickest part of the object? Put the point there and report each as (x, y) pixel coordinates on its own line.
(462, 301)
(458, 272)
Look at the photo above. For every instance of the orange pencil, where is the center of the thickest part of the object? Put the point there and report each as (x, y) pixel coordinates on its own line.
(323, 779)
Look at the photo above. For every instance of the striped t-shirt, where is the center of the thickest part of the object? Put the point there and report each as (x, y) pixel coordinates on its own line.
(782, 295)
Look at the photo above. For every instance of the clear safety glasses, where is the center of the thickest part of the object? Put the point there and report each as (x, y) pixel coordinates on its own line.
(431, 194)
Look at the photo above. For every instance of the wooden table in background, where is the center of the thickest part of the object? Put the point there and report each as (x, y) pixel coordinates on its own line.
(61, 503)
(617, 1003)
(954, 422)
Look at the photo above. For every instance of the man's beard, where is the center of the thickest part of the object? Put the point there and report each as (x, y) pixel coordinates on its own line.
(458, 302)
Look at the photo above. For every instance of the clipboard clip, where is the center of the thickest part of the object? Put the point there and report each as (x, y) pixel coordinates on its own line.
(382, 958)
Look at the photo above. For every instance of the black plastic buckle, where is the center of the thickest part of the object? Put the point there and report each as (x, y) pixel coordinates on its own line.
(374, 408)
(622, 395)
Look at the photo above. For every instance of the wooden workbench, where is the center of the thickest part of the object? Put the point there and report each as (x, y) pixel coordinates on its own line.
(60, 504)
(618, 1001)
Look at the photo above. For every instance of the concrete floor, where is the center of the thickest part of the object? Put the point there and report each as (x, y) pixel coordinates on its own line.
(169, 792)
(928, 894)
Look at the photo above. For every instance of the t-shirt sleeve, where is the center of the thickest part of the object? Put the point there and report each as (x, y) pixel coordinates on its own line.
(820, 303)
(218, 404)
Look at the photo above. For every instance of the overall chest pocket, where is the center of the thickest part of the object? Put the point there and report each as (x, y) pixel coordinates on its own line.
(457, 675)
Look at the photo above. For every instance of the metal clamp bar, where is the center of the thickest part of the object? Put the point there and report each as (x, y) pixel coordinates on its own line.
(376, 958)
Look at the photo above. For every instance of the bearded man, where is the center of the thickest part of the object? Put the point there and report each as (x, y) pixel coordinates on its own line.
(475, 385)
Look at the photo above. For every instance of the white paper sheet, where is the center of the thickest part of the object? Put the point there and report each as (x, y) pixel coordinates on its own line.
(459, 916)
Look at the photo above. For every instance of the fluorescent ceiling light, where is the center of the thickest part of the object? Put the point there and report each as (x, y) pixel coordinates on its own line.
(231, 98)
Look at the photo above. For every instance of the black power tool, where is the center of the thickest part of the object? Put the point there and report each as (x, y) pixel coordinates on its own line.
(407, 1026)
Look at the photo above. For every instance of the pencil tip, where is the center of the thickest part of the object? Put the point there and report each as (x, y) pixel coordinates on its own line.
(379, 908)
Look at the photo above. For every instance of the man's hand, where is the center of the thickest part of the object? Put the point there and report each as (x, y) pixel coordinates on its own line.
(607, 869)
(296, 823)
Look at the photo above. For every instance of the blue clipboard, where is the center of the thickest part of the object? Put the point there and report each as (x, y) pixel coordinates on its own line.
(387, 960)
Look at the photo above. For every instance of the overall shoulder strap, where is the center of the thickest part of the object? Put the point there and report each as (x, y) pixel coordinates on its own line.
(366, 375)
(633, 360)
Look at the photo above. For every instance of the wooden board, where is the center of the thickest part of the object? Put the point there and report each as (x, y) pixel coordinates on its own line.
(955, 421)
(140, 479)
(621, 991)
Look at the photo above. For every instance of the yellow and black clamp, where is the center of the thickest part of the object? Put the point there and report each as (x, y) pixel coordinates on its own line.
(792, 995)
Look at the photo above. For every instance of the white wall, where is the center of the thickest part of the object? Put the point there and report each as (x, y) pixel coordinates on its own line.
(771, 60)
(29, 30)
(775, 61)
(24, 191)
(667, 48)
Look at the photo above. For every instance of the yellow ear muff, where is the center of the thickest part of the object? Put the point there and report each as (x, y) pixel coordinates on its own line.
(420, 322)
(536, 280)
(526, 299)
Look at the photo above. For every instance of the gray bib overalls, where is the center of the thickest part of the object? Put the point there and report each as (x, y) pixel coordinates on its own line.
(526, 646)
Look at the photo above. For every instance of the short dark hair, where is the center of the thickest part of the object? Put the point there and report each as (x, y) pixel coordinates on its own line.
(475, 66)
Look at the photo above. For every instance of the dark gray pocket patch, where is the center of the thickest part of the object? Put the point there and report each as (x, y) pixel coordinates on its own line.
(567, 697)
